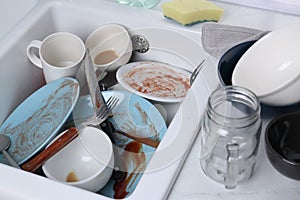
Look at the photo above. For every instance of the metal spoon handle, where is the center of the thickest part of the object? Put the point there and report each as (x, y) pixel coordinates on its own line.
(11, 161)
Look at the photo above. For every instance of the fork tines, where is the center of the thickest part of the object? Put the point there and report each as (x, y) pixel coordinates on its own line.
(112, 102)
(105, 110)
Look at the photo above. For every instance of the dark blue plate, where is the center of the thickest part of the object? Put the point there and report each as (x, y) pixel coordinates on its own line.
(229, 60)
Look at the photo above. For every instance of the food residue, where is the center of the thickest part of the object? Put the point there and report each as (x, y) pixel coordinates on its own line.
(133, 156)
(105, 57)
(157, 79)
(147, 121)
(72, 177)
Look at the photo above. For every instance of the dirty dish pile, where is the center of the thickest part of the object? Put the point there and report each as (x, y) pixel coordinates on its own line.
(89, 161)
(134, 116)
(271, 67)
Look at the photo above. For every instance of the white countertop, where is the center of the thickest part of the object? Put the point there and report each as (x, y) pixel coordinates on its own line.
(190, 184)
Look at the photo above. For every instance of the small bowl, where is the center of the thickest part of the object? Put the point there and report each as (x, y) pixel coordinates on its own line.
(282, 144)
(110, 47)
(270, 67)
(87, 162)
(229, 59)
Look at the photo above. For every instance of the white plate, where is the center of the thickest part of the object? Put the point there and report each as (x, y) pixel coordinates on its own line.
(155, 80)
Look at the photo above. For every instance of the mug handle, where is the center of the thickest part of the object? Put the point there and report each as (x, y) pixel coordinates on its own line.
(232, 166)
(31, 54)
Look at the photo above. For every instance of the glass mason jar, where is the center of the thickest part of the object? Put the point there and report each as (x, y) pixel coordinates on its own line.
(140, 3)
(230, 135)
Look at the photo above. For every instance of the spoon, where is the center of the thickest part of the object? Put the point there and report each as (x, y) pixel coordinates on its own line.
(4, 144)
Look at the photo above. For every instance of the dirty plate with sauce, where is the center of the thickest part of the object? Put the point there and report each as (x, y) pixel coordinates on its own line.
(36, 121)
(136, 116)
(155, 80)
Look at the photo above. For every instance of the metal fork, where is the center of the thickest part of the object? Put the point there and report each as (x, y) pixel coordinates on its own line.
(196, 72)
(104, 112)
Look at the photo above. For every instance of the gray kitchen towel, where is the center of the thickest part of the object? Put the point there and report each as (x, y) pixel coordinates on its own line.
(218, 38)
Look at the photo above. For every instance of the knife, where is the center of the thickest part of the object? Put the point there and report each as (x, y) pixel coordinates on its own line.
(37, 161)
(87, 78)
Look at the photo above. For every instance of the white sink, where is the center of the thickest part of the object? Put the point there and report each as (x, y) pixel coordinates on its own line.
(169, 43)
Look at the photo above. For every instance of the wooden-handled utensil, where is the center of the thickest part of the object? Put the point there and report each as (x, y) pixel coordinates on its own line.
(53, 148)
(147, 141)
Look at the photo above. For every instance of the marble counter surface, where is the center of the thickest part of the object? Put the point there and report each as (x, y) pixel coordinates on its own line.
(191, 182)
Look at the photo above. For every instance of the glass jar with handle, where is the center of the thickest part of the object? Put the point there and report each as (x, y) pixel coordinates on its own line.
(230, 135)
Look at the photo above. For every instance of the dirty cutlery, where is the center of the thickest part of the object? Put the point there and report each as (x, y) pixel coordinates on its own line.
(33, 164)
(4, 144)
(103, 113)
(47, 153)
(196, 72)
(143, 140)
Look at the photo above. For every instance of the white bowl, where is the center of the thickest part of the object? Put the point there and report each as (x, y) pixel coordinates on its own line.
(110, 37)
(271, 67)
(89, 157)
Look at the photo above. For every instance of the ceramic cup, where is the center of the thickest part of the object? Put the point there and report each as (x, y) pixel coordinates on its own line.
(110, 47)
(230, 135)
(59, 55)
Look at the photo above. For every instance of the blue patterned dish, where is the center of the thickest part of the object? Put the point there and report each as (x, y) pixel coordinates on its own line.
(133, 115)
(36, 121)
(137, 116)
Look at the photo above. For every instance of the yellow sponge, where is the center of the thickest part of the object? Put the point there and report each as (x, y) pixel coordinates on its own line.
(187, 12)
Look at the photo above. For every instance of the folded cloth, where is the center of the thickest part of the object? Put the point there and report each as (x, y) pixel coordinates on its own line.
(218, 38)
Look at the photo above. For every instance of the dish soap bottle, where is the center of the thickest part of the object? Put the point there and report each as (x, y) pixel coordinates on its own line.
(140, 3)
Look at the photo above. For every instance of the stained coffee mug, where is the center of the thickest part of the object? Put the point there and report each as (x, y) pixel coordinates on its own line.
(59, 55)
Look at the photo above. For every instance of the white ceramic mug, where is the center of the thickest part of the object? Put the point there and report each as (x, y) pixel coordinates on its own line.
(110, 47)
(60, 55)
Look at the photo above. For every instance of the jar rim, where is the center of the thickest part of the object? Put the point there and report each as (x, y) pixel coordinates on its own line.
(235, 93)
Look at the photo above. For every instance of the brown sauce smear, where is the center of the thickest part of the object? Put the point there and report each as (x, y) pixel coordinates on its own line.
(132, 154)
(158, 80)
